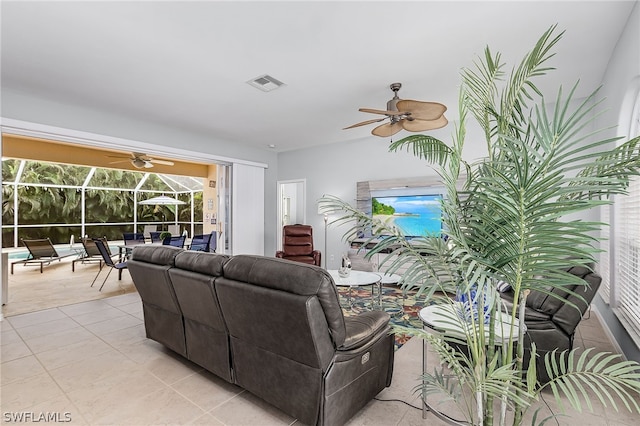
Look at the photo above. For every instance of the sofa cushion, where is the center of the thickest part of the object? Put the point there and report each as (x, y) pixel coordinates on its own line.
(292, 277)
(201, 262)
(361, 328)
(153, 253)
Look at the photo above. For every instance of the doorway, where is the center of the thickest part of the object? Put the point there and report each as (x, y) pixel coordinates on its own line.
(291, 205)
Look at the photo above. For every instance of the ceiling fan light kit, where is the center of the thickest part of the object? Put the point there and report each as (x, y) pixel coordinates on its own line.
(410, 115)
(140, 160)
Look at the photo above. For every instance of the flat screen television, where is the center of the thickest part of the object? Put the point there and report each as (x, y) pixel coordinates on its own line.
(414, 215)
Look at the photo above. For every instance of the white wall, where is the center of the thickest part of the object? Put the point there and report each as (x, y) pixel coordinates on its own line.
(623, 67)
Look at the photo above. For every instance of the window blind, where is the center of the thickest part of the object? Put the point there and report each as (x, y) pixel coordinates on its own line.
(627, 246)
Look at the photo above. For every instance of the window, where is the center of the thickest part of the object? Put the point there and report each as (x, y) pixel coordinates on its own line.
(623, 280)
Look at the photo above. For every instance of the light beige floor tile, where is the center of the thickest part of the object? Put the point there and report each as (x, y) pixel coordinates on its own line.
(599, 346)
(15, 350)
(206, 420)
(108, 326)
(21, 368)
(46, 328)
(101, 399)
(247, 409)
(5, 325)
(144, 351)
(58, 340)
(9, 336)
(126, 336)
(124, 299)
(28, 392)
(413, 417)
(379, 413)
(206, 390)
(109, 367)
(134, 309)
(622, 417)
(63, 410)
(39, 317)
(170, 367)
(91, 306)
(73, 353)
(162, 407)
(105, 314)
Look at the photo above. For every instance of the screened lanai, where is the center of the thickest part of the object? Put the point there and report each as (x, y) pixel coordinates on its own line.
(60, 201)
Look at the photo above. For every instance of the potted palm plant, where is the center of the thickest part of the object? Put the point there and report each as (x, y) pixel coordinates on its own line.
(511, 217)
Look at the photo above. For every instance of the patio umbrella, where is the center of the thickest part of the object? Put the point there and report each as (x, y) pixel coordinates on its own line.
(162, 200)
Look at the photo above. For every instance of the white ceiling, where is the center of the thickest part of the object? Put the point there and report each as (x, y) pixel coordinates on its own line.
(186, 64)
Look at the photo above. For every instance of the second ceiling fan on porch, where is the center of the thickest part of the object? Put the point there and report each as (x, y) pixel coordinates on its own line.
(410, 115)
(140, 160)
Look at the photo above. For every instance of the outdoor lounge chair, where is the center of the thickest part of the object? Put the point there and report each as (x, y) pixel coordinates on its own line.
(91, 253)
(41, 252)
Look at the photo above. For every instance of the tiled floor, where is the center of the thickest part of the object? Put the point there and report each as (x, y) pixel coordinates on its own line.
(90, 361)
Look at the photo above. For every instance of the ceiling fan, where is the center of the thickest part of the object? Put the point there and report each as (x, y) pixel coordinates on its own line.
(140, 160)
(413, 116)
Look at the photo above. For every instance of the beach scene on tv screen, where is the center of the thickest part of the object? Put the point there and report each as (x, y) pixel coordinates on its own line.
(414, 215)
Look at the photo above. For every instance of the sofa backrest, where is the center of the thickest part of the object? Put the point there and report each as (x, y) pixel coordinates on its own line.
(562, 313)
(149, 266)
(266, 299)
(193, 280)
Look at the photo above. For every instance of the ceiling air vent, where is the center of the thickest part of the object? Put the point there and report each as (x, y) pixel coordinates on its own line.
(266, 83)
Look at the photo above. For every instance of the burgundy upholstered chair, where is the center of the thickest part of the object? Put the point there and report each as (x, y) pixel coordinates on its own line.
(297, 245)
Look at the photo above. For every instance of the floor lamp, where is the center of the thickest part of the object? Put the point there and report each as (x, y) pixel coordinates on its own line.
(326, 219)
(322, 211)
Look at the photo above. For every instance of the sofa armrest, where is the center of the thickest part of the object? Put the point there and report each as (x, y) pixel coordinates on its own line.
(362, 328)
(317, 256)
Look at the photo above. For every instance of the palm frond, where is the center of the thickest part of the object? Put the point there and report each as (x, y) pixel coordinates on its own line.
(593, 373)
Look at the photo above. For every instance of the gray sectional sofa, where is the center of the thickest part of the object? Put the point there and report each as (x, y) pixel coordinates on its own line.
(271, 326)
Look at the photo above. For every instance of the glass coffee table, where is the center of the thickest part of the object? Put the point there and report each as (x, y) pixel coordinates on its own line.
(357, 279)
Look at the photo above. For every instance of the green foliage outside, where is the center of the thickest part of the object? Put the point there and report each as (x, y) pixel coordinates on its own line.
(109, 202)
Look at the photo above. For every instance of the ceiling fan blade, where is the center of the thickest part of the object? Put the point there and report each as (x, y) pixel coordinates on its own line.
(119, 162)
(379, 111)
(422, 110)
(163, 162)
(364, 123)
(387, 129)
(423, 125)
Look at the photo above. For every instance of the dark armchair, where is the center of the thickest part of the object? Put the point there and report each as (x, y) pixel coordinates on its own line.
(297, 245)
(551, 322)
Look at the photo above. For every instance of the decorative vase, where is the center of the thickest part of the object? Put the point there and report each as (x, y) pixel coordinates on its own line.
(469, 302)
(345, 269)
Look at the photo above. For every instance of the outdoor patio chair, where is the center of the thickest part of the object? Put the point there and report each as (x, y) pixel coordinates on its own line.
(174, 241)
(132, 238)
(91, 253)
(205, 242)
(173, 229)
(148, 229)
(108, 261)
(41, 252)
(155, 237)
